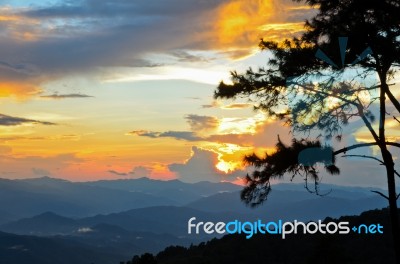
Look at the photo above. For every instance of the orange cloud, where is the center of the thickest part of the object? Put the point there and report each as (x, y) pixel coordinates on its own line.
(20, 90)
(238, 21)
(241, 24)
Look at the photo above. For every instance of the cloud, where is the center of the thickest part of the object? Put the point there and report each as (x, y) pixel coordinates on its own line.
(136, 172)
(141, 171)
(6, 120)
(179, 135)
(184, 56)
(42, 43)
(265, 136)
(57, 138)
(214, 104)
(240, 24)
(30, 166)
(237, 106)
(24, 68)
(202, 123)
(64, 96)
(118, 173)
(201, 167)
(85, 230)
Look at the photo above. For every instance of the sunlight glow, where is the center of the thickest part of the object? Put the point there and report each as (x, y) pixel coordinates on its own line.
(208, 76)
(240, 125)
(225, 166)
(238, 19)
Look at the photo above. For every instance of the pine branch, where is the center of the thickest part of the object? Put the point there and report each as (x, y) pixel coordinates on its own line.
(344, 150)
(365, 156)
(381, 194)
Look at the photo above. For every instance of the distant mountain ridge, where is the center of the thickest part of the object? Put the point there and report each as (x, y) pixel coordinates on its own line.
(76, 199)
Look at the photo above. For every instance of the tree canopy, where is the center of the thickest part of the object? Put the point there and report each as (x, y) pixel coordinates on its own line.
(339, 70)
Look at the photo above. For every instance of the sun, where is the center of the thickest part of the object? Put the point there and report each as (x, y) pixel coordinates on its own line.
(225, 167)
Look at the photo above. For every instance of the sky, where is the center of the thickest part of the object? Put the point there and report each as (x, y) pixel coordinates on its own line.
(101, 89)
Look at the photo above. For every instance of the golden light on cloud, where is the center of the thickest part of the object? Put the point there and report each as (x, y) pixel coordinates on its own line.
(229, 156)
(19, 90)
(281, 31)
(240, 125)
(243, 23)
(7, 18)
(225, 166)
(6, 15)
(294, 27)
(237, 21)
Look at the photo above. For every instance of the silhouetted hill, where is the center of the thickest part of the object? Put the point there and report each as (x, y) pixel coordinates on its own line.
(97, 233)
(116, 240)
(15, 249)
(295, 249)
(44, 224)
(295, 203)
(160, 219)
(139, 230)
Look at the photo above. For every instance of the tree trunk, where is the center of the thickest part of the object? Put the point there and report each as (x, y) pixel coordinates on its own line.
(389, 164)
(394, 215)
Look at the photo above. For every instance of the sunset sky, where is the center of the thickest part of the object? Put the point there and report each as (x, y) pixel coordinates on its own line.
(101, 89)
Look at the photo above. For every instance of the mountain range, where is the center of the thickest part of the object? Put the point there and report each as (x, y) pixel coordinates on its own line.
(30, 197)
(120, 218)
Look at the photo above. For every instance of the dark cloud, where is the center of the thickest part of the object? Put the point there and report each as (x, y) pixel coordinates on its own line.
(179, 135)
(98, 33)
(64, 96)
(183, 135)
(122, 8)
(23, 68)
(214, 104)
(6, 120)
(202, 123)
(185, 56)
(136, 172)
(95, 34)
(266, 135)
(207, 106)
(119, 173)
